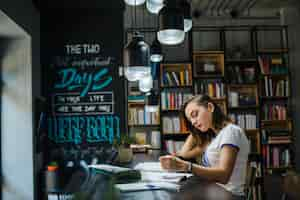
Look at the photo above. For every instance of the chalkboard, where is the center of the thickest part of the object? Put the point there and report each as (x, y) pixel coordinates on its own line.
(82, 97)
(81, 82)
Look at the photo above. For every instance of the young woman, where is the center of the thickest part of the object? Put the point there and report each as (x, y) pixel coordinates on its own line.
(223, 145)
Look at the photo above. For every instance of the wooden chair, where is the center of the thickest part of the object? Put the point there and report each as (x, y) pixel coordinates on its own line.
(291, 186)
(250, 182)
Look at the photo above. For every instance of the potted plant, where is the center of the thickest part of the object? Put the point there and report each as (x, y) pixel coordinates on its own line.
(122, 144)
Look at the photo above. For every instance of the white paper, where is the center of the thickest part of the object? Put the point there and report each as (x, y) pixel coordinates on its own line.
(170, 177)
(140, 186)
(149, 166)
(109, 168)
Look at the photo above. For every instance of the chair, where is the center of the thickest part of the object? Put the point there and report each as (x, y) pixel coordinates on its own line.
(291, 186)
(250, 182)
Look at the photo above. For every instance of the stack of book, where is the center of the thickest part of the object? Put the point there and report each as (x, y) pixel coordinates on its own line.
(174, 124)
(139, 116)
(175, 78)
(275, 111)
(213, 89)
(173, 100)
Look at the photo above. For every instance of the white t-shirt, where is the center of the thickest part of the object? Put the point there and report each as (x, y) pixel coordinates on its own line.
(234, 136)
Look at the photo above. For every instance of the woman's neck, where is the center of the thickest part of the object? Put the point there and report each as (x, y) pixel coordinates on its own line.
(217, 130)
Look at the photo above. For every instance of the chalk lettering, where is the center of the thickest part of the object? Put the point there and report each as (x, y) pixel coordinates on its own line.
(71, 79)
(83, 49)
(92, 128)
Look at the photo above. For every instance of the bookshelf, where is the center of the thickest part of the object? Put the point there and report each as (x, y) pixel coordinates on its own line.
(142, 122)
(276, 123)
(208, 68)
(176, 86)
(245, 70)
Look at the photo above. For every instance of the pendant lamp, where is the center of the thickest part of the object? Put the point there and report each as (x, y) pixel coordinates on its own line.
(154, 6)
(146, 84)
(188, 23)
(136, 58)
(134, 2)
(171, 24)
(156, 51)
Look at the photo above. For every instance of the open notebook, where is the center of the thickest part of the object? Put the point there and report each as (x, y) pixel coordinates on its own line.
(152, 171)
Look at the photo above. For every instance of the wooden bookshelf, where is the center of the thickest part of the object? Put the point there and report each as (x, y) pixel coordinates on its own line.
(208, 64)
(176, 86)
(176, 75)
(219, 66)
(272, 51)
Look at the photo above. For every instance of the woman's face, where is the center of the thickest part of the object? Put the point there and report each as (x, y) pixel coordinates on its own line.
(199, 116)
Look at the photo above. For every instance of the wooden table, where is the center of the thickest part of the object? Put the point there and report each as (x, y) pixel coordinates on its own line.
(194, 188)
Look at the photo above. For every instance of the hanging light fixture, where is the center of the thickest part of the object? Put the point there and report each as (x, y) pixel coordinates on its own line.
(188, 23)
(156, 51)
(136, 56)
(134, 2)
(171, 24)
(146, 84)
(154, 6)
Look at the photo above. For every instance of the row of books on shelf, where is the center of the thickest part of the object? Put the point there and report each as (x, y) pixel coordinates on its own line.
(241, 74)
(245, 121)
(147, 137)
(174, 124)
(173, 100)
(173, 146)
(136, 99)
(256, 192)
(271, 64)
(213, 89)
(139, 116)
(176, 78)
(276, 137)
(236, 99)
(274, 112)
(276, 156)
(256, 189)
(276, 87)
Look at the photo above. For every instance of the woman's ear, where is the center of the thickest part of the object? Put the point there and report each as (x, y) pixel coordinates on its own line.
(210, 107)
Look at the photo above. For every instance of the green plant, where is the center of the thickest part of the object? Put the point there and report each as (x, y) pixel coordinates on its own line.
(124, 141)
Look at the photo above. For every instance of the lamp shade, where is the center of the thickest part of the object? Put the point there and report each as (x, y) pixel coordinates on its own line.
(156, 51)
(188, 23)
(146, 84)
(154, 6)
(171, 24)
(134, 2)
(136, 58)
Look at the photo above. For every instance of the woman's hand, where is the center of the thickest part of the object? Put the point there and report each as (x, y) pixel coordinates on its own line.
(173, 163)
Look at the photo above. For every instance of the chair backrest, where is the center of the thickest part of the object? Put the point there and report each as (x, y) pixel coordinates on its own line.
(291, 185)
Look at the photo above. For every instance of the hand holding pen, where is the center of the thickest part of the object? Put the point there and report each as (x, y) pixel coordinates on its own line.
(173, 163)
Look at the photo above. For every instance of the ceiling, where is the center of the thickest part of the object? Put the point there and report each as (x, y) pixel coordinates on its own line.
(237, 8)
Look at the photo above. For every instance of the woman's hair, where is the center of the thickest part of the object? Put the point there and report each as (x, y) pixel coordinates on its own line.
(219, 119)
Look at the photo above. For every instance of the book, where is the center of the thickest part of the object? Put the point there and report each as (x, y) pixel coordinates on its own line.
(140, 137)
(121, 174)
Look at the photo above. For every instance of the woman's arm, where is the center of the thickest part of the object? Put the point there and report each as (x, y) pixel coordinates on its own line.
(220, 173)
(223, 171)
(189, 149)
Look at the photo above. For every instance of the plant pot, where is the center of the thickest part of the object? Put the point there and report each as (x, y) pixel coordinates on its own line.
(125, 155)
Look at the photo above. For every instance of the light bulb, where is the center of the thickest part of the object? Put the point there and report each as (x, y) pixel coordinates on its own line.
(170, 36)
(134, 2)
(154, 6)
(145, 84)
